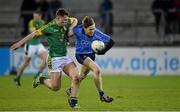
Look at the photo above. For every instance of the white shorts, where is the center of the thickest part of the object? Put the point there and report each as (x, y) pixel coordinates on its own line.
(56, 64)
(31, 50)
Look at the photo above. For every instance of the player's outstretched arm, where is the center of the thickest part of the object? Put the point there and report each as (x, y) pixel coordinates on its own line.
(22, 41)
(74, 23)
(107, 47)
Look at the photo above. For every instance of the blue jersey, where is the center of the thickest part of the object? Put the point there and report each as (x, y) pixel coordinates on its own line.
(83, 42)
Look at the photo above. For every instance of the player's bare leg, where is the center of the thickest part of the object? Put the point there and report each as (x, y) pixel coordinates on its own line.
(83, 72)
(82, 75)
(86, 67)
(55, 79)
(53, 83)
(71, 70)
(20, 70)
(43, 55)
(91, 65)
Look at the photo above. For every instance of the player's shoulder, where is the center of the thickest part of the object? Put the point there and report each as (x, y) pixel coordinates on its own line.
(31, 21)
(98, 31)
(41, 20)
(78, 28)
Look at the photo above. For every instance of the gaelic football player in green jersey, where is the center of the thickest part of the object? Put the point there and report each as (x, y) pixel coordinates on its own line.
(33, 47)
(58, 60)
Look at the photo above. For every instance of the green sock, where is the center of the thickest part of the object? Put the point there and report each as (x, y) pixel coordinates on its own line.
(43, 78)
(37, 74)
(18, 77)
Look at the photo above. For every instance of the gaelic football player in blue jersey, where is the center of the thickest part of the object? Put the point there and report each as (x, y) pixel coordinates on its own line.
(85, 34)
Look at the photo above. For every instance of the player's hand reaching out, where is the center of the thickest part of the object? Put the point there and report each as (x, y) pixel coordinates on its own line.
(16, 45)
(24, 40)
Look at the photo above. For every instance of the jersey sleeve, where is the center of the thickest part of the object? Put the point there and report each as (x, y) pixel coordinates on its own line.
(44, 29)
(40, 30)
(71, 19)
(101, 36)
(75, 30)
(43, 22)
(69, 22)
(31, 26)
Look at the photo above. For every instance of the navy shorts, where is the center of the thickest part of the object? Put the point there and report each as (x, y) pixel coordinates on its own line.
(81, 57)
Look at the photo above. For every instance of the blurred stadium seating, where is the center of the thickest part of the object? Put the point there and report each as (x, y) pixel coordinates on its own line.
(9, 21)
(133, 20)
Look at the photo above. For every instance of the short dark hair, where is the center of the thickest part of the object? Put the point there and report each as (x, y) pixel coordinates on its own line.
(62, 12)
(87, 21)
(37, 12)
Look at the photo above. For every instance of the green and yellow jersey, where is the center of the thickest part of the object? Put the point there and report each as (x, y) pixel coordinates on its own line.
(34, 25)
(55, 37)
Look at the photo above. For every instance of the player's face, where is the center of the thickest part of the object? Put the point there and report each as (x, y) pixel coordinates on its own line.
(36, 17)
(61, 20)
(90, 30)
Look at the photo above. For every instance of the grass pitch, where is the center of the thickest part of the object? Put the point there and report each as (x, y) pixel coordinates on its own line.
(137, 93)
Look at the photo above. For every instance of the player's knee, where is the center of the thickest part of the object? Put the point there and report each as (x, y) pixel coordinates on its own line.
(55, 87)
(81, 77)
(43, 64)
(97, 71)
(26, 62)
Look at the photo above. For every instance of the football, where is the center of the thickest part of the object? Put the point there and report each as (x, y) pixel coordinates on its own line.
(97, 45)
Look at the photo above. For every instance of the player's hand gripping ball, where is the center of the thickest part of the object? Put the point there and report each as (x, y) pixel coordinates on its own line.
(97, 46)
